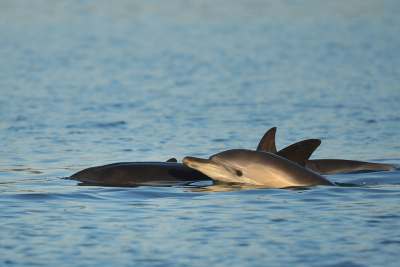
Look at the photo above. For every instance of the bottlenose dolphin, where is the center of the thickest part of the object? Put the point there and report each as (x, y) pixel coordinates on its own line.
(321, 166)
(172, 172)
(127, 173)
(256, 168)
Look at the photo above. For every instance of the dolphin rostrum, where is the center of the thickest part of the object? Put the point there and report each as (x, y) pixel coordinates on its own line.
(257, 168)
(320, 166)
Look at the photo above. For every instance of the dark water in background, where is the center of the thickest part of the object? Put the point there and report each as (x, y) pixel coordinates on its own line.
(84, 83)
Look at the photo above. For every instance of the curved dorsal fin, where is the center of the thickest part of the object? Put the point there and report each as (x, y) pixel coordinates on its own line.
(267, 142)
(172, 160)
(299, 152)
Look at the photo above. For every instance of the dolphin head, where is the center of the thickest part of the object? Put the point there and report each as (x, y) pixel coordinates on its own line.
(237, 165)
(227, 166)
(255, 167)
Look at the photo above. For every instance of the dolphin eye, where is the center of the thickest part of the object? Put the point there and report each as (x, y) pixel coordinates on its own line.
(239, 173)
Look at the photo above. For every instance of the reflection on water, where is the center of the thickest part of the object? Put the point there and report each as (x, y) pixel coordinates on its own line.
(88, 83)
(228, 187)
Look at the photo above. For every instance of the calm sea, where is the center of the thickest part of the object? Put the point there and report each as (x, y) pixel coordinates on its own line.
(85, 83)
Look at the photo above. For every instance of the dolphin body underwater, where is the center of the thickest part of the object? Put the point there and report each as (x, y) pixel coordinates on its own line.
(323, 166)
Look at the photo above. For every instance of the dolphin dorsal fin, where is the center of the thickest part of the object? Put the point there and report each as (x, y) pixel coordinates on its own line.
(172, 160)
(300, 152)
(267, 142)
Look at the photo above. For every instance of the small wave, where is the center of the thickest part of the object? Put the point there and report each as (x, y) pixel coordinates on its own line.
(88, 125)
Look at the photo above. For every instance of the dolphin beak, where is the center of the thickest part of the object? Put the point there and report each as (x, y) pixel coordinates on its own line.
(193, 162)
(211, 168)
(202, 164)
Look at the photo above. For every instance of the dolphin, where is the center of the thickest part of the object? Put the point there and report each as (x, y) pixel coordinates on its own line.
(333, 166)
(255, 168)
(172, 172)
(321, 166)
(130, 173)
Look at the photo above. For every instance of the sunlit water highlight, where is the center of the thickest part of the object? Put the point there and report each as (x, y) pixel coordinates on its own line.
(85, 83)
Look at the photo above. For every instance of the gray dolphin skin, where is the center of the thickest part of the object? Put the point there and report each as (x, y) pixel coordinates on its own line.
(130, 173)
(256, 168)
(321, 166)
(333, 166)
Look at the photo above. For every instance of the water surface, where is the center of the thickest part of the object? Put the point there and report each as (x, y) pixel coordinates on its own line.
(85, 83)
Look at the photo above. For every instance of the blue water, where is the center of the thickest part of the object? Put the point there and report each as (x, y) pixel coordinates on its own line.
(85, 83)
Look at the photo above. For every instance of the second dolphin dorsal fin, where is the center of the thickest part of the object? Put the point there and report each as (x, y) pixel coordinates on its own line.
(172, 160)
(267, 142)
(299, 152)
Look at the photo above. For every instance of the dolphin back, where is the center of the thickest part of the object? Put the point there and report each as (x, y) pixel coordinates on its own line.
(139, 172)
(333, 166)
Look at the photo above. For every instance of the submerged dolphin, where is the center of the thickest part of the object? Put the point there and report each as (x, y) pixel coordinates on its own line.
(322, 166)
(171, 172)
(256, 168)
